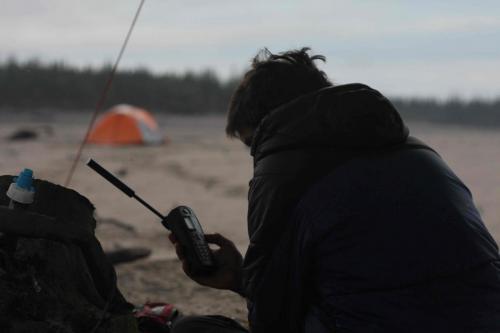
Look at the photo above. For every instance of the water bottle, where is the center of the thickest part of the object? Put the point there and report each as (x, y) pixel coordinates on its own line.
(21, 193)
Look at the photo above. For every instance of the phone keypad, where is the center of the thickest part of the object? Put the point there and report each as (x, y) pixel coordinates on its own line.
(203, 250)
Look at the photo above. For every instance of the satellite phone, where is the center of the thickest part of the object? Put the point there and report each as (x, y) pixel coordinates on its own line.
(181, 221)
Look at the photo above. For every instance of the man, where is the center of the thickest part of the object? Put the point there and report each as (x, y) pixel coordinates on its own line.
(354, 226)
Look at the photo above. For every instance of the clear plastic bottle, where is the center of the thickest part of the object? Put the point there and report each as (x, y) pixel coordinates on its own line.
(21, 193)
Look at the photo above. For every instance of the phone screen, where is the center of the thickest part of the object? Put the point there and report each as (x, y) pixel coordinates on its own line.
(189, 223)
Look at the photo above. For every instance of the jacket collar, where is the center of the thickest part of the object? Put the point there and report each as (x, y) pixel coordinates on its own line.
(345, 117)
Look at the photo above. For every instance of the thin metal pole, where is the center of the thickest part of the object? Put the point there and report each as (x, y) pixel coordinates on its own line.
(103, 96)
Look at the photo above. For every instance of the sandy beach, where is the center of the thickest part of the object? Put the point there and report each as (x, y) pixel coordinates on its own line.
(201, 168)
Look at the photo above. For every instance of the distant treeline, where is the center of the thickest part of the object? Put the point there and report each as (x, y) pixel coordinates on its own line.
(34, 85)
(455, 111)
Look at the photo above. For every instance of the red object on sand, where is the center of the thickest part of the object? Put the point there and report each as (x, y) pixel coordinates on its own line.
(156, 317)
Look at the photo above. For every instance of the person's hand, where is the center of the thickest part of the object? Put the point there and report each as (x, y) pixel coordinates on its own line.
(228, 261)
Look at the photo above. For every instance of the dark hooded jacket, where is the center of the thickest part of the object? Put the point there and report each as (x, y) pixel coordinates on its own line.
(348, 218)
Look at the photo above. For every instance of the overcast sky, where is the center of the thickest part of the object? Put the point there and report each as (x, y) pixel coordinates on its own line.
(405, 48)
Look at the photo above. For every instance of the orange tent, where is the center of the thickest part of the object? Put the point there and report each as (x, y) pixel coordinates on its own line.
(124, 124)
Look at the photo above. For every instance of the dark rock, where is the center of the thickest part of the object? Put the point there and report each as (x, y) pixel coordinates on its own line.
(23, 135)
(122, 172)
(120, 256)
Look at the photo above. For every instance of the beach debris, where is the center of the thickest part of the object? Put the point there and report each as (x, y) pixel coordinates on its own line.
(121, 172)
(23, 135)
(58, 278)
(117, 223)
(124, 255)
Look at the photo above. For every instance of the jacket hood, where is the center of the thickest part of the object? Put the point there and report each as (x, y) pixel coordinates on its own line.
(345, 117)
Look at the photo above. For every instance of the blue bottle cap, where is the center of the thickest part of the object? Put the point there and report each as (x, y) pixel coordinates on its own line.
(25, 179)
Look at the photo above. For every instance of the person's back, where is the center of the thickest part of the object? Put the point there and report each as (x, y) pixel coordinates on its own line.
(353, 226)
(395, 244)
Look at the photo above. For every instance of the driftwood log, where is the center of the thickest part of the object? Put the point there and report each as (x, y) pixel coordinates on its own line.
(57, 278)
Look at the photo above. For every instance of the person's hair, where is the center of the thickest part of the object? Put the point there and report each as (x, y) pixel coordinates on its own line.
(273, 80)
